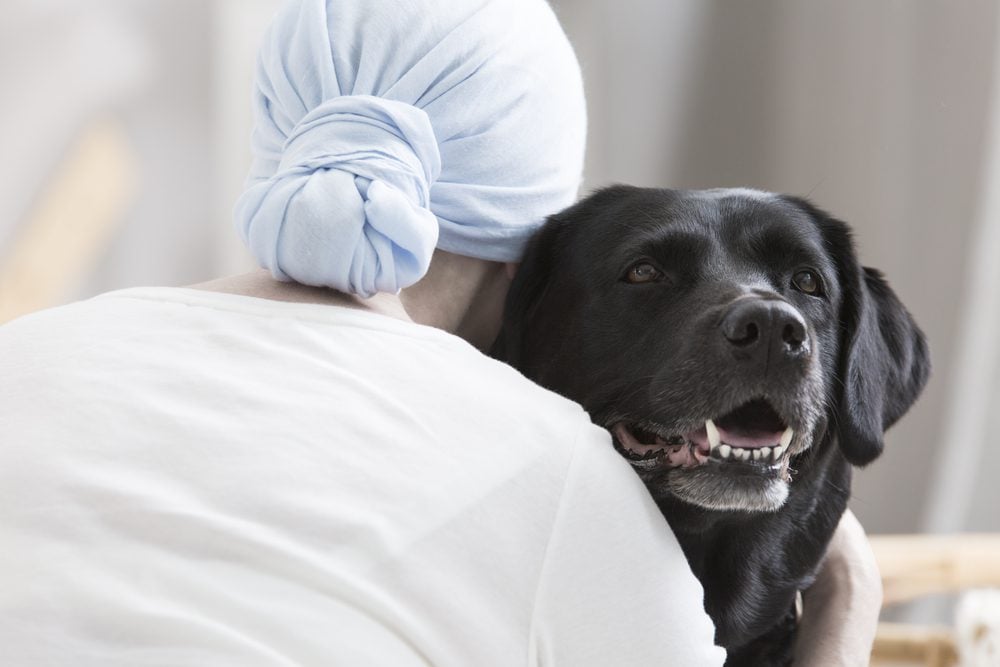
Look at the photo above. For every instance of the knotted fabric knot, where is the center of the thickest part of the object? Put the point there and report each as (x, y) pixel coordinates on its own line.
(384, 130)
(348, 204)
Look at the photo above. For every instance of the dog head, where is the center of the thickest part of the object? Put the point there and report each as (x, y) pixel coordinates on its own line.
(719, 335)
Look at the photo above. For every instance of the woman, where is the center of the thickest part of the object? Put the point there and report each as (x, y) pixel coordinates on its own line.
(318, 466)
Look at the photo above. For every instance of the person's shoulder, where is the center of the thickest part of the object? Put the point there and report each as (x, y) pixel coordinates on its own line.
(119, 305)
(505, 391)
(56, 328)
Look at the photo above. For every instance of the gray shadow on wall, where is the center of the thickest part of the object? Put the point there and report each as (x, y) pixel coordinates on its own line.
(727, 133)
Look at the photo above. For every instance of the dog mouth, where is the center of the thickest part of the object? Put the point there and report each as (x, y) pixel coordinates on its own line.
(753, 435)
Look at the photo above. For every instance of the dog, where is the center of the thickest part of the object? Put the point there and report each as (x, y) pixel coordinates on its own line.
(743, 361)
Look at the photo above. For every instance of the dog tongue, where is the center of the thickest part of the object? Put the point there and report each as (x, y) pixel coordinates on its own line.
(749, 439)
(745, 439)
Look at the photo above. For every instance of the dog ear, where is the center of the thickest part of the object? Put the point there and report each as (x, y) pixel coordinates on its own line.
(527, 290)
(883, 363)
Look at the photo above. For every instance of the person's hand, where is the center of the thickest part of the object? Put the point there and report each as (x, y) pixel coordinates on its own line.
(840, 610)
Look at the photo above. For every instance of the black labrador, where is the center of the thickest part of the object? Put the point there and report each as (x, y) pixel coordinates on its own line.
(741, 358)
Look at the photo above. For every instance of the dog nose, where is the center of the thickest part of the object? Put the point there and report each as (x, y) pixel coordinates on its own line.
(755, 327)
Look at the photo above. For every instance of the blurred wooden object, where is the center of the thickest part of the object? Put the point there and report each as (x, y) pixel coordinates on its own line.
(913, 566)
(72, 222)
(916, 565)
(904, 645)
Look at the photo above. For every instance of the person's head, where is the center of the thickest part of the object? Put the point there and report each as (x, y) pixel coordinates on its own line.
(387, 129)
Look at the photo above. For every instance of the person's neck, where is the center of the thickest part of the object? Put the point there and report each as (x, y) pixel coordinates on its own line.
(460, 295)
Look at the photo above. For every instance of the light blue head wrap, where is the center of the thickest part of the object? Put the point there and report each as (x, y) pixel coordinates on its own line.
(386, 128)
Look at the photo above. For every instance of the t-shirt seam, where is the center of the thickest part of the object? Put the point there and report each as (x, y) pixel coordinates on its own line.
(560, 510)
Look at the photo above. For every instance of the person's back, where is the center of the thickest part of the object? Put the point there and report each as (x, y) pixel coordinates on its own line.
(266, 483)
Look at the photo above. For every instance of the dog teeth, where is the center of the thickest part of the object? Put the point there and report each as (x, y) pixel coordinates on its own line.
(713, 434)
(762, 454)
(786, 437)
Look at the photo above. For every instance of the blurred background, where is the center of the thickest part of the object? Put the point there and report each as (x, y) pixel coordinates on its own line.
(125, 131)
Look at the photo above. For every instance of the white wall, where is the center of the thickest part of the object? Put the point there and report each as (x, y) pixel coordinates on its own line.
(176, 75)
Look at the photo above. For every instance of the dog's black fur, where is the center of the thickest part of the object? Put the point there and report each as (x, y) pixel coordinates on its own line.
(658, 354)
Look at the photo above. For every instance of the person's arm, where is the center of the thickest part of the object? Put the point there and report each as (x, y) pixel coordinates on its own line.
(615, 588)
(840, 610)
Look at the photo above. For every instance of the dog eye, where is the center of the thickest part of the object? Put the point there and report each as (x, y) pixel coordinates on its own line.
(807, 282)
(643, 272)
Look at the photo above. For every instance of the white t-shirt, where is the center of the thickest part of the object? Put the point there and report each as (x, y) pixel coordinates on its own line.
(191, 478)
